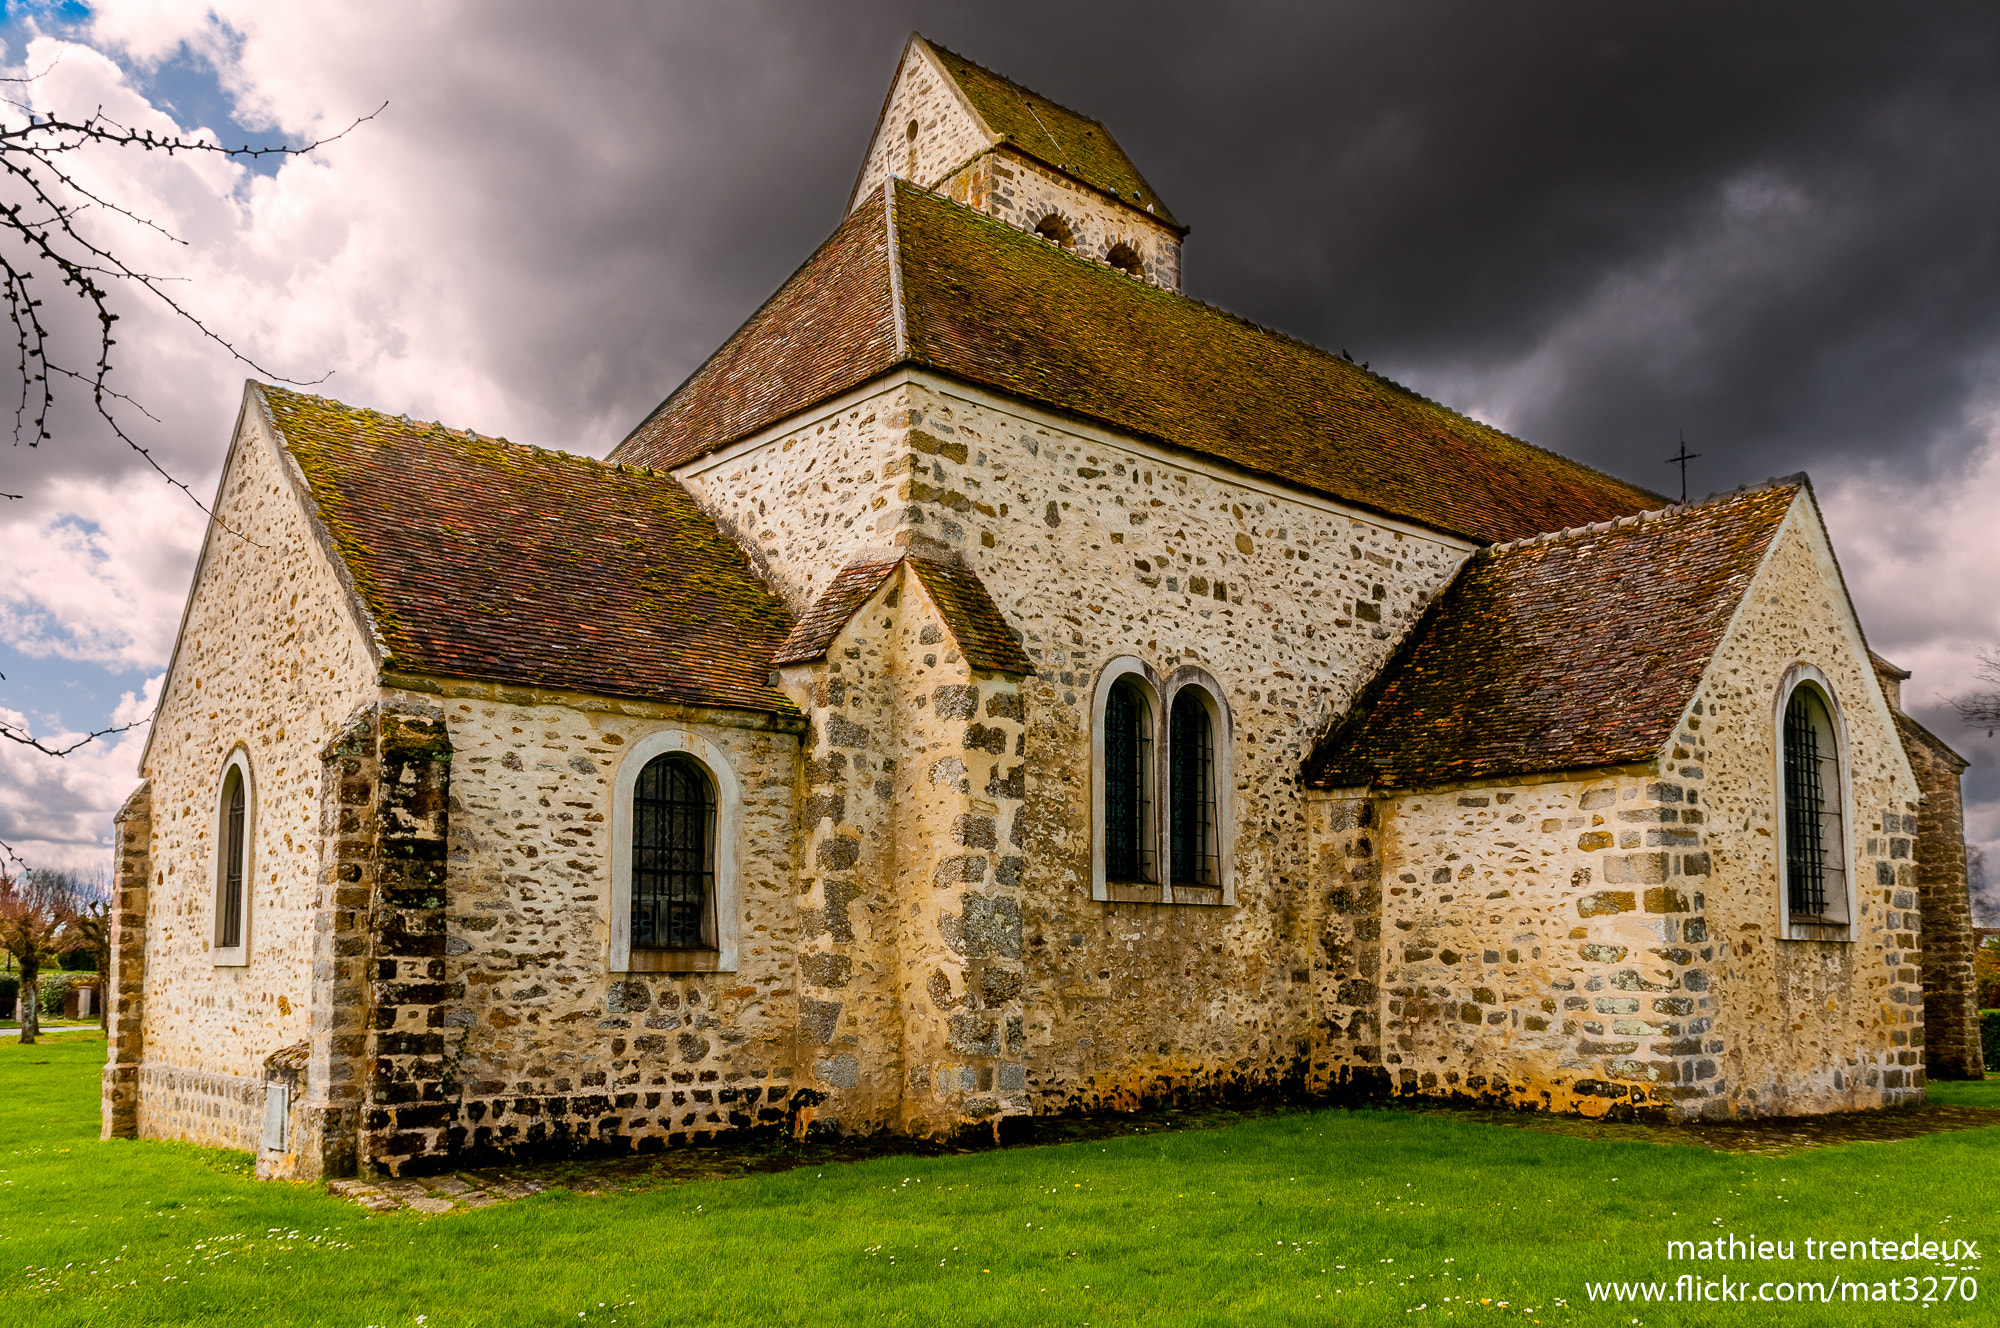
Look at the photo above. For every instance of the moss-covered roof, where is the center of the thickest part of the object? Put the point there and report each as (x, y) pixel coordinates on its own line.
(995, 307)
(1567, 652)
(483, 559)
(1051, 133)
(975, 622)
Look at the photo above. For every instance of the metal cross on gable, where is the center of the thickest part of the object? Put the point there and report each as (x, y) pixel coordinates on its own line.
(1681, 458)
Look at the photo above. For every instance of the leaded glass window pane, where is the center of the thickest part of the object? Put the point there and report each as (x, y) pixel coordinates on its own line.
(1191, 748)
(229, 934)
(673, 856)
(1128, 754)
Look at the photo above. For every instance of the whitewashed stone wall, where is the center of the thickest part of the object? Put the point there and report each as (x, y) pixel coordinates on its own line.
(546, 1043)
(1093, 549)
(272, 659)
(947, 133)
(1816, 1025)
(1609, 942)
(1022, 192)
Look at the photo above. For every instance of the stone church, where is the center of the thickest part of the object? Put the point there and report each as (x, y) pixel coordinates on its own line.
(997, 684)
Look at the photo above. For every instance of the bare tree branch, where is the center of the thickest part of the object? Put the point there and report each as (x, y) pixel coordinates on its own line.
(26, 739)
(1981, 710)
(40, 236)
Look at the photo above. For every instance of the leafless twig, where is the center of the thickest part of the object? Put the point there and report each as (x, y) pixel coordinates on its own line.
(26, 739)
(1981, 710)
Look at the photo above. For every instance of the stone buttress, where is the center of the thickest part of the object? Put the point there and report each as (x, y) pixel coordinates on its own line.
(376, 1092)
(125, 989)
(910, 963)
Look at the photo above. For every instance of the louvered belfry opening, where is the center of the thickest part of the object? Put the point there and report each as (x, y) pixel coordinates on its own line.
(1192, 754)
(1128, 763)
(1815, 876)
(673, 856)
(229, 928)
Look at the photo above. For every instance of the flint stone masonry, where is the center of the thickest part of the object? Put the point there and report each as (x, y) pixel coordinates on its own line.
(273, 660)
(913, 932)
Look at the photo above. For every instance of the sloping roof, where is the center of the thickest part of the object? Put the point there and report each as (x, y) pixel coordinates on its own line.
(1565, 652)
(975, 622)
(979, 302)
(1051, 133)
(843, 597)
(479, 558)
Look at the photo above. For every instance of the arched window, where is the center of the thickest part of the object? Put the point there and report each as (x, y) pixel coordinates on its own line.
(235, 816)
(1126, 259)
(675, 816)
(1128, 778)
(1815, 838)
(1053, 228)
(673, 856)
(1191, 753)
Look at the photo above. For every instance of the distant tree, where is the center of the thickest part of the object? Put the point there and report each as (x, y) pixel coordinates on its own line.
(37, 921)
(1981, 710)
(1986, 973)
(1985, 891)
(90, 910)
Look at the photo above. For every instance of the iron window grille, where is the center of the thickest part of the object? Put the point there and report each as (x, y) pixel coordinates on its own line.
(1191, 753)
(673, 856)
(1815, 876)
(1128, 763)
(229, 931)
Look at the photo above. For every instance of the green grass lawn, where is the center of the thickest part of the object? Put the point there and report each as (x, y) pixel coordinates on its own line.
(1313, 1218)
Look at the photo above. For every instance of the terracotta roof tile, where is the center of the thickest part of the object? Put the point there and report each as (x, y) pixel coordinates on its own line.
(975, 622)
(992, 306)
(830, 326)
(1052, 133)
(479, 558)
(1566, 652)
(840, 601)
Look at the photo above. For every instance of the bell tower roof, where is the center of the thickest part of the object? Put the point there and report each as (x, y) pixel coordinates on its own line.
(944, 110)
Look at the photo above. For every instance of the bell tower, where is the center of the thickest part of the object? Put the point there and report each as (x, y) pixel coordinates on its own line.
(981, 139)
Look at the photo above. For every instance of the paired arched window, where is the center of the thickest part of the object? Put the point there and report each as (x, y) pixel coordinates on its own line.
(1815, 797)
(1157, 735)
(1126, 259)
(235, 813)
(673, 845)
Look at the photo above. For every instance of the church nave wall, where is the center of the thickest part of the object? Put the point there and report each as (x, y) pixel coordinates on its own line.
(271, 661)
(547, 1044)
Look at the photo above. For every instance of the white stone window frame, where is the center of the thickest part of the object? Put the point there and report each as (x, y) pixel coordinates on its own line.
(1800, 675)
(234, 956)
(1223, 771)
(728, 826)
(1149, 685)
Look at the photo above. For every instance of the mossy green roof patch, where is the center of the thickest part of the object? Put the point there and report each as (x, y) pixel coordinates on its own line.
(483, 559)
(1569, 652)
(992, 306)
(1052, 133)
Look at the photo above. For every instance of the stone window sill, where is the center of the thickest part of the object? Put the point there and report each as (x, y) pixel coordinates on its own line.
(1815, 929)
(1145, 892)
(674, 961)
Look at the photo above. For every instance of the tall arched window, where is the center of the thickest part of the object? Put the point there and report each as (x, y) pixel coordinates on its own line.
(673, 856)
(1815, 832)
(1128, 778)
(235, 838)
(676, 814)
(1192, 829)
